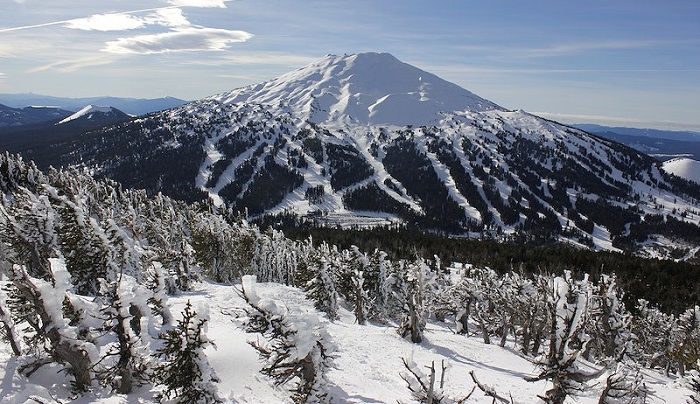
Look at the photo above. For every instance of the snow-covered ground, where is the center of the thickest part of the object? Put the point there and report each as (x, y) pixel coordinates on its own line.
(367, 365)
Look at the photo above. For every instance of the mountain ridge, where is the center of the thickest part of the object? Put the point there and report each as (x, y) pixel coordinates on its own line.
(131, 106)
(307, 145)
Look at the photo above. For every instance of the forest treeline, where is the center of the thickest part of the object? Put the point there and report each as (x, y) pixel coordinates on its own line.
(671, 285)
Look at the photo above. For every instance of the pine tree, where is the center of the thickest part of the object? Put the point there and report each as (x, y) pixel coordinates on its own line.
(185, 371)
(320, 288)
(611, 322)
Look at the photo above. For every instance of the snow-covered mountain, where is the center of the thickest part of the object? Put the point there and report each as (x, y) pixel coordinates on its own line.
(366, 139)
(96, 115)
(686, 168)
(362, 89)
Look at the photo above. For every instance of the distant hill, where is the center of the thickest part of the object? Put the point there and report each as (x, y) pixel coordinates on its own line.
(660, 144)
(94, 116)
(132, 106)
(11, 117)
(39, 137)
(688, 169)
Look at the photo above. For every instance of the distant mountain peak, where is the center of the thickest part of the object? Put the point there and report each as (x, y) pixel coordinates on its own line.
(95, 113)
(365, 88)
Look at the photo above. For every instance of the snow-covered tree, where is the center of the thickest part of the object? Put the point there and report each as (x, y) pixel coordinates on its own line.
(292, 350)
(611, 321)
(275, 258)
(624, 384)
(224, 251)
(694, 380)
(46, 302)
(125, 364)
(568, 306)
(184, 370)
(653, 342)
(417, 287)
(422, 386)
(320, 287)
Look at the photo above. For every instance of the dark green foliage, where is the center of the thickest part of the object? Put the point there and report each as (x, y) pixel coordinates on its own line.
(315, 194)
(613, 217)
(463, 181)
(216, 170)
(183, 356)
(314, 147)
(414, 170)
(269, 187)
(374, 199)
(347, 166)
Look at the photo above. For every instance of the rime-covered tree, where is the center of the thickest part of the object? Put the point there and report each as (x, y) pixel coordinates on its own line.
(686, 340)
(624, 384)
(126, 362)
(47, 301)
(417, 287)
(694, 380)
(611, 322)
(654, 340)
(313, 275)
(568, 306)
(296, 350)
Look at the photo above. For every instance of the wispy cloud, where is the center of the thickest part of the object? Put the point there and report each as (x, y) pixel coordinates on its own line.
(72, 65)
(170, 17)
(569, 48)
(178, 40)
(288, 60)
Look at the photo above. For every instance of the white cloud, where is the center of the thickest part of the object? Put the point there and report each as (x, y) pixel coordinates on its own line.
(198, 3)
(178, 40)
(106, 22)
(169, 17)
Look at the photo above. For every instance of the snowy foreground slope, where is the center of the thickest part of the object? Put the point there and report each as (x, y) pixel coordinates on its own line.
(367, 365)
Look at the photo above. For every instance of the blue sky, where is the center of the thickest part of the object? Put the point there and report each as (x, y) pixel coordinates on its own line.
(623, 62)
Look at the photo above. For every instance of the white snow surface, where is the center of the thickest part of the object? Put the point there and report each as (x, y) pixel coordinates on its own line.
(88, 111)
(365, 88)
(367, 364)
(684, 167)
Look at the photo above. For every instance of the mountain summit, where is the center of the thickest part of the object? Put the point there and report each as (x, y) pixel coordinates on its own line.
(368, 140)
(366, 88)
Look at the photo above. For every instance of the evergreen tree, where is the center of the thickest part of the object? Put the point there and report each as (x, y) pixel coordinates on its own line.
(321, 289)
(185, 371)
